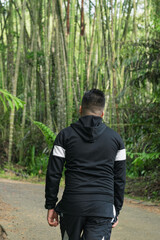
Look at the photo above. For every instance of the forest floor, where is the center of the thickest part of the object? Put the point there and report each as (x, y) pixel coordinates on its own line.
(23, 216)
(146, 187)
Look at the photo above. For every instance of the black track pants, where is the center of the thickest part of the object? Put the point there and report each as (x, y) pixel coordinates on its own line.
(85, 228)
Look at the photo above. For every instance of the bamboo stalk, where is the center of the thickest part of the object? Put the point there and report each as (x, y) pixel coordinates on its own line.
(90, 52)
(47, 44)
(12, 115)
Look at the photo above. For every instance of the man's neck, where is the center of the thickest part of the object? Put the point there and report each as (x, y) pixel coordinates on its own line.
(91, 114)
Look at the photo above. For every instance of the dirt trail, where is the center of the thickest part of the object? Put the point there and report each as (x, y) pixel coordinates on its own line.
(23, 216)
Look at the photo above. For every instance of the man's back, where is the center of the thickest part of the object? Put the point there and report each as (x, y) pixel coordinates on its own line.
(94, 159)
(90, 153)
(90, 150)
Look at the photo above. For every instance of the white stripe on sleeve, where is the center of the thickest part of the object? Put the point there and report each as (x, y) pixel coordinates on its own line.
(59, 151)
(121, 155)
(114, 211)
(114, 214)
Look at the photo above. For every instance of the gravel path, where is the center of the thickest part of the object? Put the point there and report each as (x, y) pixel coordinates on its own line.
(23, 216)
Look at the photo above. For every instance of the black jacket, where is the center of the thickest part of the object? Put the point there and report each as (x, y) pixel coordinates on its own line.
(94, 158)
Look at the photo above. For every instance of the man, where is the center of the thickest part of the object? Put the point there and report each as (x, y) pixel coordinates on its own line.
(94, 158)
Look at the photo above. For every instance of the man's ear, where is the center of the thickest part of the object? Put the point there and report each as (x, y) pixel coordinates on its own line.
(80, 110)
(102, 114)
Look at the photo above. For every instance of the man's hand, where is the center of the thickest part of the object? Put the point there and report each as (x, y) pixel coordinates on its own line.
(52, 218)
(115, 224)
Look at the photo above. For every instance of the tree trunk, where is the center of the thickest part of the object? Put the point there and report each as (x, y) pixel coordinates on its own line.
(47, 44)
(12, 114)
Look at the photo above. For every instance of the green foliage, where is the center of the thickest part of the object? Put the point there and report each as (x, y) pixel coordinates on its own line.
(145, 66)
(142, 136)
(6, 96)
(47, 132)
(155, 16)
(13, 171)
(38, 167)
(143, 162)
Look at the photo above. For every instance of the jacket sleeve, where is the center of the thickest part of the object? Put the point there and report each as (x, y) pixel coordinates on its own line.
(119, 178)
(54, 171)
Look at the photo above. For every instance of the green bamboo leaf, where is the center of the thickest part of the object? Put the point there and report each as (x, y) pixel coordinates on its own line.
(21, 103)
(4, 104)
(16, 103)
(10, 103)
(11, 100)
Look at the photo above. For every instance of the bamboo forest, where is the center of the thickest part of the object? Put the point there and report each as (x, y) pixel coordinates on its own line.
(52, 51)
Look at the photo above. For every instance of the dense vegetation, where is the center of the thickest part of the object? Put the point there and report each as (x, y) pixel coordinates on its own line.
(53, 51)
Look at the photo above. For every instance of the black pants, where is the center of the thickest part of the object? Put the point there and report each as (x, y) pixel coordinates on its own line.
(85, 228)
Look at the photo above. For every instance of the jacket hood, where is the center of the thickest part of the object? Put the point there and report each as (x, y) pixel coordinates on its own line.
(90, 128)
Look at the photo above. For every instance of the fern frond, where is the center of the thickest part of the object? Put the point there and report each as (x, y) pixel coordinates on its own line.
(47, 133)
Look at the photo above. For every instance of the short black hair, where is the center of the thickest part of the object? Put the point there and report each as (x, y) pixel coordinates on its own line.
(93, 100)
